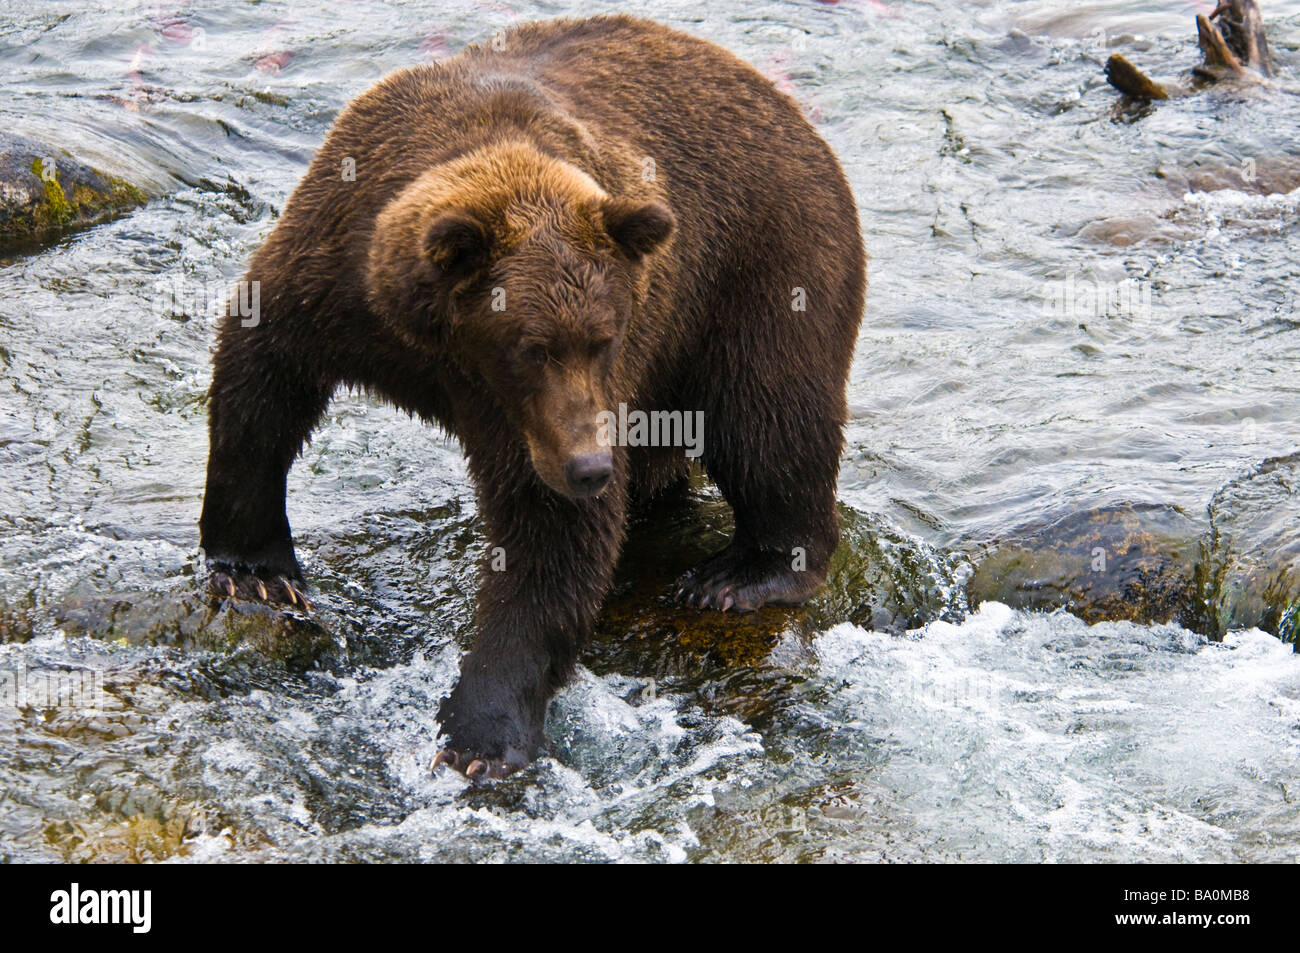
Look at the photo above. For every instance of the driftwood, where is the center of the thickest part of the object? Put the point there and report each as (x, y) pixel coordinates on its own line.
(1232, 43)
(1130, 80)
(1236, 43)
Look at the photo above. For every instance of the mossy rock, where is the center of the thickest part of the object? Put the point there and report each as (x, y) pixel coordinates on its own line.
(1151, 563)
(45, 193)
(878, 578)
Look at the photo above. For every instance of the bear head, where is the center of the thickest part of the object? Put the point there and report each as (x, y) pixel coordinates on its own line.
(521, 269)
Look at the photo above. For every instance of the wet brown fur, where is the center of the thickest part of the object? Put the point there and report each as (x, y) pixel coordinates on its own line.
(522, 169)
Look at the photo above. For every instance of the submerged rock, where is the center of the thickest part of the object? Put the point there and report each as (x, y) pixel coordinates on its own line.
(103, 839)
(1152, 564)
(198, 624)
(45, 193)
(16, 622)
(1130, 562)
(1145, 563)
(879, 578)
(1267, 175)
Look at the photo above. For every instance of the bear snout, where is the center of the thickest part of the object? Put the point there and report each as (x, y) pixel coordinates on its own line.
(587, 473)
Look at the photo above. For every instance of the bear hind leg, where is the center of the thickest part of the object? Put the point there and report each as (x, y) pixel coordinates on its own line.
(780, 481)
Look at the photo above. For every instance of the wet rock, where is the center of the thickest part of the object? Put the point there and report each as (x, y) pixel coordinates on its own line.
(1125, 230)
(886, 580)
(879, 578)
(1152, 563)
(16, 622)
(45, 193)
(408, 582)
(1130, 562)
(197, 624)
(1248, 572)
(1267, 175)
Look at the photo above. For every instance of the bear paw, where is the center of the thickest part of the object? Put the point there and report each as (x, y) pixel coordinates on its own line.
(489, 735)
(742, 580)
(477, 769)
(242, 584)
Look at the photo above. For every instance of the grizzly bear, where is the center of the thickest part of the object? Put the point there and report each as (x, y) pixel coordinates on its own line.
(583, 219)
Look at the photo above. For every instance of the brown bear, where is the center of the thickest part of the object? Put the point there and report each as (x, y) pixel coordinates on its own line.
(586, 218)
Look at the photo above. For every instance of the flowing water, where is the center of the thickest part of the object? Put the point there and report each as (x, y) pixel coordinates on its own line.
(992, 165)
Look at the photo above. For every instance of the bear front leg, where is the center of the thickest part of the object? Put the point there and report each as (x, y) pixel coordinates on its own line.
(548, 565)
(263, 403)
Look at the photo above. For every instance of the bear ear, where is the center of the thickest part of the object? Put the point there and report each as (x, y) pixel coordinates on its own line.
(638, 228)
(456, 243)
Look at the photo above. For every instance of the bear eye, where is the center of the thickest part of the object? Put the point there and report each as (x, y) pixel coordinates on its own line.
(601, 347)
(535, 355)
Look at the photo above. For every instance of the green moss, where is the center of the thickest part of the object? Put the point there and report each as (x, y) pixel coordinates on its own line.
(103, 838)
(59, 209)
(123, 193)
(54, 212)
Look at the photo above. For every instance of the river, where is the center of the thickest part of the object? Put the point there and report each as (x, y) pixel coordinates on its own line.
(1003, 192)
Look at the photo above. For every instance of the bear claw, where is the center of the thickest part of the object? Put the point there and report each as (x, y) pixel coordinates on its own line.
(237, 584)
(741, 581)
(476, 769)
